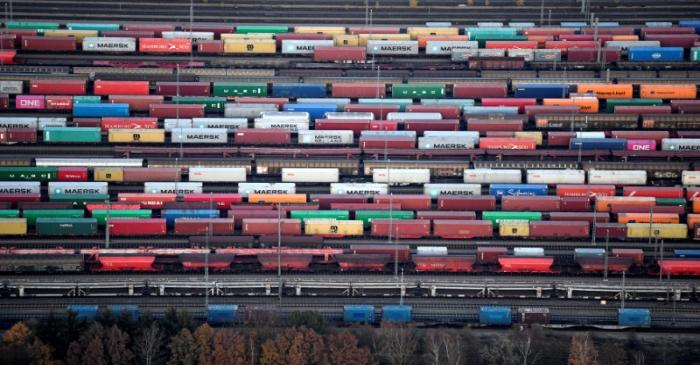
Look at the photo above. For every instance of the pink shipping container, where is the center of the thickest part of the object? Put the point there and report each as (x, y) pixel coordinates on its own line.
(407, 201)
(358, 90)
(462, 229)
(30, 102)
(325, 200)
(176, 110)
(641, 145)
(139, 103)
(531, 203)
(144, 174)
(287, 227)
(401, 228)
(252, 136)
(480, 90)
(340, 54)
(447, 111)
(673, 40)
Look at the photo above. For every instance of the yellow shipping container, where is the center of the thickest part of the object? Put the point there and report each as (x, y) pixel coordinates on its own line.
(658, 230)
(136, 136)
(250, 46)
(346, 40)
(333, 227)
(109, 174)
(363, 38)
(514, 228)
(320, 30)
(416, 32)
(13, 226)
(225, 36)
(78, 34)
(537, 136)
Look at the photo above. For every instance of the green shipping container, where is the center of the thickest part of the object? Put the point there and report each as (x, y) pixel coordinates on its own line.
(671, 201)
(33, 214)
(245, 29)
(391, 101)
(314, 214)
(612, 103)
(496, 216)
(475, 32)
(102, 27)
(695, 54)
(87, 99)
(80, 201)
(66, 226)
(367, 216)
(28, 173)
(9, 213)
(101, 214)
(240, 89)
(31, 25)
(418, 91)
(72, 135)
(211, 103)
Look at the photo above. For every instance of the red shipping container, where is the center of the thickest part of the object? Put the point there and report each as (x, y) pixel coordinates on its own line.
(616, 231)
(407, 201)
(591, 55)
(511, 44)
(299, 36)
(380, 110)
(34, 102)
(102, 87)
(129, 34)
(585, 37)
(137, 103)
(383, 125)
(671, 192)
(289, 207)
(579, 216)
(4, 101)
(325, 200)
(609, 30)
(147, 201)
(480, 90)
(108, 123)
(553, 31)
(484, 125)
(252, 136)
(558, 229)
(499, 134)
(469, 203)
(519, 102)
(564, 46)
(72, 174)
(532, 110)
(59, 102)
(261, 100)
(373, 30)
(507, 143)
(185, 88)
(575, 204)
(144, 174)
(260, 226)
(358, 90)
(401, 228)
(673, 40)
(531, 203)
(220, 200)
(643, 109)
(666, 30)
(209, 46)
(21, 135)
(692, 193)
(176, 110)
(585, 190)
(49, 44)
(354, 125)
(447, 111)
(162, 45)
(239, 214)
(402, 253)
(57, 87)
(420, 126)
(390, 142)
(8, 41)
(673, 209)
(197, 226)
(560, 138)
(462, 229)
(340, 54)
(186, 205)
(136, 227)
(445, 215)
(657, 136)
(158, 29)
(21, 198)
(490, 254)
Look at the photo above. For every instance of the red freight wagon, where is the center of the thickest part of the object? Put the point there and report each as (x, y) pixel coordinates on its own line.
(108, 123)
(511, 44)
(147, 201)
(447, 111)
(507, 143)
(554, 31)
(657, 136)
(480, 90)
(8, 41)
(380, 111)
(564, 46)
(261, 100)
(519, 102)
(252, 136)
(591, 264)
(197, 226)
(402, 253)
(616, 231)
(183, 88)
(462, 229)
(210, 46)
(468, 203)
(340, 54)
(365, 206)
(680, 266)
(220, 200)
(484, 125)
(489, 255)
(609, 30)
(363, 262)
(591, 55)
(580, 216)
(444, 263)
(672, 192)
(144, 174)
(57, 87)
(136, 227)
(295, 262)
(220, 262)
(325, 200)
(673, 209)
(532, 110)
(531, 203)
(673, 40)
(176, 110)
(125, 263)
(401, 228)
(299, 37)
(383, 125)
(357, 126)
(129, 34)
(666, 30)
(138, 103)
(643, 109)
(575, 204)
(560, 138)
(358, 90)
(407, 201)
(72, 174)
(441, 214)
(420, 126)
(526, 264)
(390, 142)
(21, 135)
(20, 198)
(158, 29)
(102, 87)
(585, 190)
(374, 30)
(50, 44)
(636, 254)
(261, 226)
(559, 229)
(239, 215)
(163, 45)
(59, 102)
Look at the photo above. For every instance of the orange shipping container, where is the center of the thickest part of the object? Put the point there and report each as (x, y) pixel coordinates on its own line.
(540, 39)
(693, 220)
(423, 39)
(646, 217)
(696, 205)
(587, 104)
(489, 143)
(162, 45)
(276, 198)
(603, 203)
(625, 38)
(607, 91)
(668, 91)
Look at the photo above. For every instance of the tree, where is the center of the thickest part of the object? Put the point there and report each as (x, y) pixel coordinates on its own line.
(94, 352)
(499, 352)
(88, 349)
(19, 335)
(148, 345)
(343, 348)
(443, 347)
(583, 350)
(204, 340)
(296, 346)
(229, 348)
(612, 353)
(527, 343)
(116, 344)
(41, 353)
(183, 349)
(398, 344)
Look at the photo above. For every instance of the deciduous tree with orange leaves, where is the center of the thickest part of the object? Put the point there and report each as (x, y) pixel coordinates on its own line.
(296, 346)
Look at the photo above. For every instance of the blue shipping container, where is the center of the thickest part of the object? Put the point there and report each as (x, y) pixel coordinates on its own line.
(589, 252)
(616, 144)
(646, 54)
(101, 110)
(298, 90)
(316, 111)
(338, 102)
(695, 23)
(221, 313)
(687, 253)
(118, 310)
(500, 190)
(541, 91)
(397, 313)
(634, 317)
(573, 24)
(358, 313)
(495, 316)
(608, 24)
(83, 311)
(171, 214)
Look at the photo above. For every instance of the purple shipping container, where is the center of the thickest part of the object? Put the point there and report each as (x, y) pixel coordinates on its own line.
(641, 145)
(30, 102)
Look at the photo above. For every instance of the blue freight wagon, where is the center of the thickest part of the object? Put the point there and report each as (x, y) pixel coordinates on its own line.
(171, 214)
(316, 111)
(634, 317)
(83, 311)
(500, 190)
(221, 313)
(101, 110)
(647, 54)
(495, 316)
(358, 313)
(397, 313)
(298, 90)
(615, 144)
(541, 91)
(118, 310)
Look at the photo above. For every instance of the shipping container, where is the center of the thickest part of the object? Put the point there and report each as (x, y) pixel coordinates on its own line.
(163, 45)
(72, 135)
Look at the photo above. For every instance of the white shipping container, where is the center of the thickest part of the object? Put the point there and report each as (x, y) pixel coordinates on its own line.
(658, 24)
(435, 190)
(493, 176)
(171, 123)
(491, 52)
(310, 175)
(628, 44)
(366, 133)
(690, 178)
(403, 116)
(359, 189)
(44, 122)
(336, 137)
(89, 162)
(246, 189)
(528, 251)
(567, 176)
(199, 135)
(293, 125)
(11, 87)
(680, 144)
(462, 55)
(18, 122)
(617, 177)
(195, 36)
(431, 251)
(446, 47)
(521, 25)
(172, 187)
(301, 46)
(458, 102)
(109, 44)
(444, 143)
(489, 24)
(285, 116)
(392, 47)
(401, 176)
(339, 102)
(20, 187)
(217, 174)
(350, 115)
(230, 124)
(590, 134)
(471, 136)
(77, 188)
(527, 54)
(248, 111)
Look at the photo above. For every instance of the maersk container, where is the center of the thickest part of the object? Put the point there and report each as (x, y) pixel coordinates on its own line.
(444, 143)
(171, 214)
(358, 313)
(20, 187)
(496, 216)
(542, 91)
(434, 48)
(495, 316)
(614, 144)
(359, 189)
(239, 89)
(301, 46)
(230, 124)
(83, 311)
(436, 190)
(680, 144)
(246, 189)
(396, 48)
(397, 313)
(647, 54)
(72, 135)
(310, 175)
(66, 226)
(109, 44)
(334, 137)
(199, 135)
(316, 111)
(469, 136)
(102, 214)
(276, 123)
(172, 188)
(219, 314)
(248, 111)
(118, 310)
(634, 317)
(500, 190)
(401, 176)
(281, 90)
(100, 110)
(493, 176)
(77, 188)
(418, 90)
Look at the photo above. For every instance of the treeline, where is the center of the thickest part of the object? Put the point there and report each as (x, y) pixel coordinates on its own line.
(305, 338)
